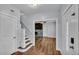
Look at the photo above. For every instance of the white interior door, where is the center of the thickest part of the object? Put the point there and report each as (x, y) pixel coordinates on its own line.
(8, 28)
(72, 31)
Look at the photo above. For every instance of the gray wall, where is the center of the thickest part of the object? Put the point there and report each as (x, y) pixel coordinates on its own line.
(8, 29)
(49, 29)
(60, 17)
(61, 11)
(60, 31)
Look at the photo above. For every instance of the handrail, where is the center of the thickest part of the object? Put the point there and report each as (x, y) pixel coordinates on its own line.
(26, 29)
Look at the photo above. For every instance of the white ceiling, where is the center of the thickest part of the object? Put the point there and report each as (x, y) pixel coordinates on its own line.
(42, 8)
(44, 11)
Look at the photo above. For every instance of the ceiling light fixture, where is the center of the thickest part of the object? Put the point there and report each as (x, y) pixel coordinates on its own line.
(34, 3)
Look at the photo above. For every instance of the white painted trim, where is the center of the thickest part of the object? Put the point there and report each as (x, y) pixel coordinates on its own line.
(27, 39)
(33, 33)
(23, 50)
(27, 43)
(57, 48)
(67, 8)
(61, 52)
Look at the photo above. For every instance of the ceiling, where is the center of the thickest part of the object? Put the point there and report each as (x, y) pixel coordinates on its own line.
(28, 9)
(45, 11)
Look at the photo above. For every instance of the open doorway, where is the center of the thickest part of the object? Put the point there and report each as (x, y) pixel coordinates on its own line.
(38, 31)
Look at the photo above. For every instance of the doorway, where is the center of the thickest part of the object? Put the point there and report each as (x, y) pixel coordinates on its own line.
(46, 42)
(38, 31)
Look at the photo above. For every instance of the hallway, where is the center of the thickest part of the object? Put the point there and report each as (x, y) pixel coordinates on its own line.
(44, 46)
(59, 29)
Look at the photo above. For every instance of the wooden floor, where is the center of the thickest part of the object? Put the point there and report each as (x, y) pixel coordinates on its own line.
(43, 46)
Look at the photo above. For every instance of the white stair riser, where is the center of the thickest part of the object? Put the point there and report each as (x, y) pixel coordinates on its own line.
(23, 50)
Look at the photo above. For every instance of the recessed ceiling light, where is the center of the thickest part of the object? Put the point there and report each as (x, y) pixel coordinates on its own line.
(33, 5)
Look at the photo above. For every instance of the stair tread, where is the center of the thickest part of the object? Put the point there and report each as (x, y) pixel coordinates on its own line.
(27, 41)
(26, 38)
(26, 46)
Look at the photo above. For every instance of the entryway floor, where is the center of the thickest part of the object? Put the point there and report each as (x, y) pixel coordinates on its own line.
(43, 46)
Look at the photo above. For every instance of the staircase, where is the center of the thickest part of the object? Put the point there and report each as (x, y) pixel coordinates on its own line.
(28, 45)
(27, 42)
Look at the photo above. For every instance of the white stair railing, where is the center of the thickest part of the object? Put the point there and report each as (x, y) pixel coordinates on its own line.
(27, 31)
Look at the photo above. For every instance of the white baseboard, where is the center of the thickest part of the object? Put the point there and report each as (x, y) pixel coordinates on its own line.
(49, 37)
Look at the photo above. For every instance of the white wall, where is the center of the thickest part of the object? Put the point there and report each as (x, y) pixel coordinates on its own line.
(59, 41)
(78, 30)
(6, 9)
(49, 29)
(29, 21)
(14, 16)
